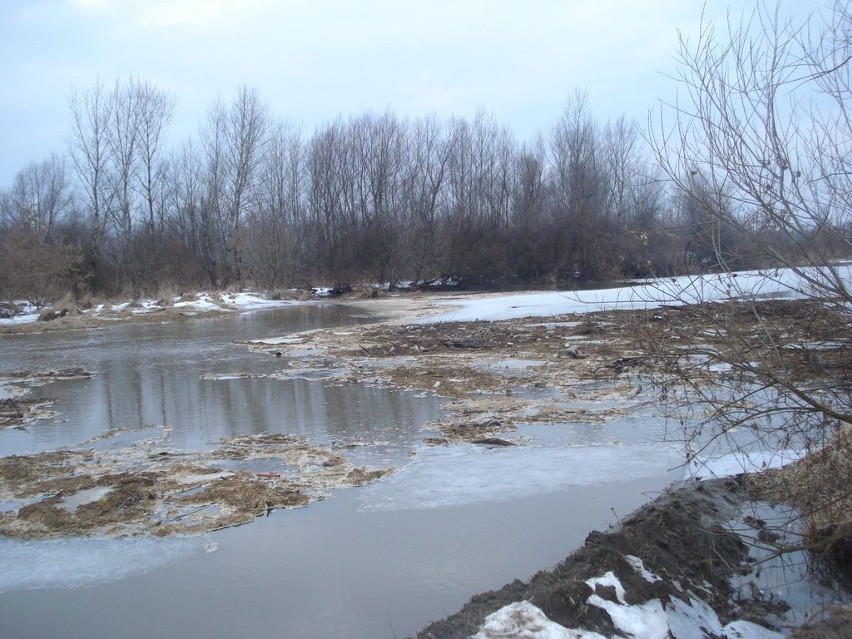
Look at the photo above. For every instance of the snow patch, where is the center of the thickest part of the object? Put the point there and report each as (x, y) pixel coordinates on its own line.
(639, 567)
(649, 620)
(83, 497)
(649, 294)
(23, 318)
(525, 621)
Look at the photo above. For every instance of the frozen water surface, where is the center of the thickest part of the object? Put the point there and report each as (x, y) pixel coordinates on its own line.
(556, 457)
(647, 294)
(81, 562)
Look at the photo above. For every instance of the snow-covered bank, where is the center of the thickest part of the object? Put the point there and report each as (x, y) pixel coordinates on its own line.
(645, 295)
(641, 294)
(682, 567)
(184, 305)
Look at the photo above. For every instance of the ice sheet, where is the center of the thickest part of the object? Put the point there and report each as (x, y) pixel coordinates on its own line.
(464, 474)
(89, 561)
(776, 283)
(739, 462)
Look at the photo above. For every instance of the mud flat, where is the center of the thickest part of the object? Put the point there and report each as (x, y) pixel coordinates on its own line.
(131, 482)
(17, 410)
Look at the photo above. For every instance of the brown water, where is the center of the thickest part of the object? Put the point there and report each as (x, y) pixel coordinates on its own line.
(379, 561)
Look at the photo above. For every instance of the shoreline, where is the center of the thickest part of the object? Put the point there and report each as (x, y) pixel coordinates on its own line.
(685, 562)
(494, 375)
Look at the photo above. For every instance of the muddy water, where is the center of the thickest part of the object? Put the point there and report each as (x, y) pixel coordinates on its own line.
(380, 561)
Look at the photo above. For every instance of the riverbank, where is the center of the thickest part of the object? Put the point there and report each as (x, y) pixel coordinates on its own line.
(695, 562)
(562, 372)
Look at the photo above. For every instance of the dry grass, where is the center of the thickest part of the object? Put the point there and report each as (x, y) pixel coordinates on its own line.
(819, 487)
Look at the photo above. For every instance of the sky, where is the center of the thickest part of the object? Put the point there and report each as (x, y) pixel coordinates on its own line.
(315, 60)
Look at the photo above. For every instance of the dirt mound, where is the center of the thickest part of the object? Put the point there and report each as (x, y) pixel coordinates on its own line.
(681, 537)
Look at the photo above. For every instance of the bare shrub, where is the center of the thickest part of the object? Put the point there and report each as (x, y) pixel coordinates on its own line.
(764, 122)
(34, 270)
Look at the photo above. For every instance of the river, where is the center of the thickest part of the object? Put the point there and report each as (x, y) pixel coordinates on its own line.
(377, 561)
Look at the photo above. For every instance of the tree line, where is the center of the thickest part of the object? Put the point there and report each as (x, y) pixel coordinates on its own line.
(253, 200)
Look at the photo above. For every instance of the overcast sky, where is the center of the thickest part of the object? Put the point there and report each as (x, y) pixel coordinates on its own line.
(313, 60)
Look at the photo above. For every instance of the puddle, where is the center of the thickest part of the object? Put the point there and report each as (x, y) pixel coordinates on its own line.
(791, 577)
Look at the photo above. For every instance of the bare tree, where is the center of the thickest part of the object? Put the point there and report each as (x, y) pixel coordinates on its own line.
(327, 158)
(578, 183)
(530, 253)
(156, 110)
(123, 137)
(272, 238)
(426, 162)
(379, 144)
(233, 141)
(91, 113)
(480, 174)
(763, 118)
(39, 197)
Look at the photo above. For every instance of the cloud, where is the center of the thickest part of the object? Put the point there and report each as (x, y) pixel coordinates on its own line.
(170, 14)
(197, 13)
(91, 5)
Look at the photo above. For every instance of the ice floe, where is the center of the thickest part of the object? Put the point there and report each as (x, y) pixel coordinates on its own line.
(738, 462)
(89, 561)
(466, 473)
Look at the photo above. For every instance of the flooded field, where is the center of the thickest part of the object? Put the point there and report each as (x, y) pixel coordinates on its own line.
(380, 560)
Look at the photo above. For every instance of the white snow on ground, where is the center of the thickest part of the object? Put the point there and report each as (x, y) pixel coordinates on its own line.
(777, 283)
(738, 462)
(525, 621)
(246, 301)
(639, 567)
(687, 289)
(89, 561)
(203, 302)
(649, 620)
(23, 318)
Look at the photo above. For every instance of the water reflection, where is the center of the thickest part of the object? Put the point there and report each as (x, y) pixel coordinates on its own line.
(152, 374)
